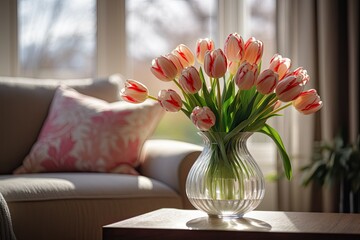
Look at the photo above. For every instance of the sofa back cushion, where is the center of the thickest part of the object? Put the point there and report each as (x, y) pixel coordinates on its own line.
(24, 105)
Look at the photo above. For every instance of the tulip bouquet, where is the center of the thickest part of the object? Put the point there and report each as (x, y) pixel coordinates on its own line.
(233, 95)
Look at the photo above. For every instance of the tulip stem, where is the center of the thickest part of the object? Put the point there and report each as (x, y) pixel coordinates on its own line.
(219, 103)
(281, 108)
(153, 98)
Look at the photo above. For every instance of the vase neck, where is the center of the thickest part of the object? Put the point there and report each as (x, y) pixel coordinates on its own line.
(216, 137)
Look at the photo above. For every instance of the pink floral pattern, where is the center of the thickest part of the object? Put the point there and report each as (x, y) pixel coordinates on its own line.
(82, 133)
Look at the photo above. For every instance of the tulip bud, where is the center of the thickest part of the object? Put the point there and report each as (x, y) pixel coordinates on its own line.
(301, 75)
(245, 76)
(170, 100)
(276, 105)
(175, 60)
(289, 89)
(164, 69)
(203, 118)
(134, 92)
(280, 65)
(215, 63)
(308, 102)
(253, 51)
(234, 47)
(190, 80)
(184, 54)
(202, 46)
(267, 81)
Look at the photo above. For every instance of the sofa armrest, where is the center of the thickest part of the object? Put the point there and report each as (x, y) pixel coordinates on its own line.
(169, 161)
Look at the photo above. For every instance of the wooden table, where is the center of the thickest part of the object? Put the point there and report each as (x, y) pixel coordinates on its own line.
(192, 224)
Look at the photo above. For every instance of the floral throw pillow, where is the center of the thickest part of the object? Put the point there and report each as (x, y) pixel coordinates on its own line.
(82, 133)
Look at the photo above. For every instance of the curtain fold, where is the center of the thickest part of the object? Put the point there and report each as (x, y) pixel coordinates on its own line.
(322, 37)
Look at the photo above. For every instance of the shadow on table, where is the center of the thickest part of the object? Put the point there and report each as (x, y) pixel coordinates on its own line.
(245, 224)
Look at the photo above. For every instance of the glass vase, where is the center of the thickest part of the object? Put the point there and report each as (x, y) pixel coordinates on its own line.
(225, 180)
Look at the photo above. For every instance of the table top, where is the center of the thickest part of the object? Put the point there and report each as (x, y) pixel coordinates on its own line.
(168, 223)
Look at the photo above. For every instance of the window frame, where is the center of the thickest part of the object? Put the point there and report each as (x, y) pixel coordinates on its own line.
(110, 36)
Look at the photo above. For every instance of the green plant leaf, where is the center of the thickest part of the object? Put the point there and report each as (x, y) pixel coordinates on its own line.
(274, 135)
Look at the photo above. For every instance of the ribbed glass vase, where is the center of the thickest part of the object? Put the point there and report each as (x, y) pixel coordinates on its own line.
(225, 180)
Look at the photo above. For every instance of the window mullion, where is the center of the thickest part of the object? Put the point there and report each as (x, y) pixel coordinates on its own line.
(231, 18)
(111, 38)
(8, 38)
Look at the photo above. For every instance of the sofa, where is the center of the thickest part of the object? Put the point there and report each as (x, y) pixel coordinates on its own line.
(49, 201)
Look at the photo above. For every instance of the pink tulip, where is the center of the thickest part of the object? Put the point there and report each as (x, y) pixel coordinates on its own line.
(190, 80)
(267, 81)
(202, 46)
(308, 102)
(234, 47)
(203, 118)
(253, 51)
(289, 89)
(301, 75)
(215, 63)
(233, 67)
(134, 92)
(164, 69)
(175, 60)
(185, 55)
(246, 75)
(280, 65)
(170, 100)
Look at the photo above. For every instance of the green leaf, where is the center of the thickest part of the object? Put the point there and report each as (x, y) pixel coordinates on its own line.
(274, 135)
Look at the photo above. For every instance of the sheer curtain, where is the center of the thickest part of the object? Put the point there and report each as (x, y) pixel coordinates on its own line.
(323, 37)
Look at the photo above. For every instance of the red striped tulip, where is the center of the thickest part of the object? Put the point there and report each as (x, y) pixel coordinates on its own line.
(184, 54)
(202, 46)
(170, 100)
(134, 92)
(246, 75)
(175, 60)
(190, 80)
(215, 63)
(267, 81)
(234, 47)
(301, 75)
(253, 51)
(280, 65)
(164, 69)
(289, 89)
(203, 118)
(308, 102)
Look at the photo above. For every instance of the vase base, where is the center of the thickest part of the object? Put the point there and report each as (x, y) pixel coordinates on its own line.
(230, 216)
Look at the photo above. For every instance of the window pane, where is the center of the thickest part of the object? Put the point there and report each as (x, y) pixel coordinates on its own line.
(57, 38)
(156, 27)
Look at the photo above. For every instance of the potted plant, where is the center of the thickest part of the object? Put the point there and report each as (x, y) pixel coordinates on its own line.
(337, 163)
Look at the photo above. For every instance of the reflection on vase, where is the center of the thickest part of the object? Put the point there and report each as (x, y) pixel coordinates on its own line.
(225, 181)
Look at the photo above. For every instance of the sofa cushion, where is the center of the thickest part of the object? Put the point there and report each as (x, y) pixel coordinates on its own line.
(24, 104)
(56, 186)
(77, 205)
(82, 133)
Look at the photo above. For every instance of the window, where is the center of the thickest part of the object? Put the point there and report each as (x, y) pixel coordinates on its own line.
(156, 27)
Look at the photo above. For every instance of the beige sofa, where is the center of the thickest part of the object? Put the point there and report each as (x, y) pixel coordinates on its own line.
(75, 205)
